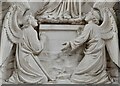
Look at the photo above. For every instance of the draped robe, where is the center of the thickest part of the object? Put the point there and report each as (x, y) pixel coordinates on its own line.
(26, 68)
(92, 68)
(63, 9)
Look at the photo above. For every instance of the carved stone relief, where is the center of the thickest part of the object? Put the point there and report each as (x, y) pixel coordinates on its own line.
(76, 45)
(71, 12)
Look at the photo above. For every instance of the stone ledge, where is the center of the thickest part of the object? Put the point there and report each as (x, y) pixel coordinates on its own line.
(59, 27)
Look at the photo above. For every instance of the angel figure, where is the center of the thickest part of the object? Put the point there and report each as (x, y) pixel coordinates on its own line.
(109, 29)
(28, 68)
(92, 68)
(20, 41)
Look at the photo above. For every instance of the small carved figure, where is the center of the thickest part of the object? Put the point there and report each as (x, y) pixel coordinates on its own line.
(20, 41)
(28, 68)
(92, 68)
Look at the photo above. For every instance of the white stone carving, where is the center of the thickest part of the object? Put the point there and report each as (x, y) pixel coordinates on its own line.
(11, 33)
(59, 53)
(28, 69)
(92, 68)
(58, 64)
(109, 29)
(63, 9)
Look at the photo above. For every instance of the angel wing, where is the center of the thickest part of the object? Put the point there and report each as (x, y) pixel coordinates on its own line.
(109, 32)
(11, 34)
(6, 44)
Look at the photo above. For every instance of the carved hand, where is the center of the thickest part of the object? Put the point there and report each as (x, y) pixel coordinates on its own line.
(66, 47)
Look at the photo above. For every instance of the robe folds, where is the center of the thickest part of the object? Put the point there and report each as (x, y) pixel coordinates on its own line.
(62, 9)
(92, 68)
(27, 70)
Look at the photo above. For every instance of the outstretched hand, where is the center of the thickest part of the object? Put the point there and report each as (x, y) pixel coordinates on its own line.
(66, 47)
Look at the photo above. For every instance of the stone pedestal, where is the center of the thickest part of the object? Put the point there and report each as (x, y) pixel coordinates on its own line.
(58, 64)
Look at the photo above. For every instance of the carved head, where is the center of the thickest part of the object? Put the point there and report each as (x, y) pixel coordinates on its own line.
(93, 15)
(29, 20)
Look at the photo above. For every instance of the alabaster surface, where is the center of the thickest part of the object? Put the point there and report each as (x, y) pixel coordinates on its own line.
(59, 42)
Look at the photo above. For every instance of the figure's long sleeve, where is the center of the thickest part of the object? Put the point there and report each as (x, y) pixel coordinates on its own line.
(81, 39)
(35, 44)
